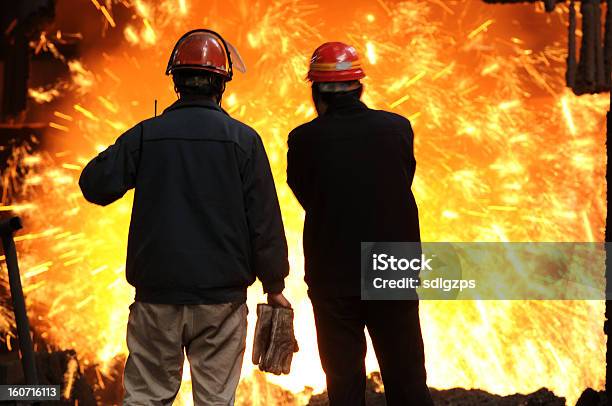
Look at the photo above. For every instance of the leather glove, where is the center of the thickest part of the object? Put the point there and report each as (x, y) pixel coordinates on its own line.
(263, 328)
(283, 344)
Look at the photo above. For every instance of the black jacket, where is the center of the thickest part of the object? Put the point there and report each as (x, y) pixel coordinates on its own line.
(351, 170)
(205, 219)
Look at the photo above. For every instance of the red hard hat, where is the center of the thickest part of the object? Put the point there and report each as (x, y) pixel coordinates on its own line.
(201, 50)
(335, 62)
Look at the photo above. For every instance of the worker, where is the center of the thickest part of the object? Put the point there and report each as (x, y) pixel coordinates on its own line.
(351, 169)
(205, 223)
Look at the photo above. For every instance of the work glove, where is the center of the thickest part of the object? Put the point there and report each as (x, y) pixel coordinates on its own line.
(282, 343)
(263, 329)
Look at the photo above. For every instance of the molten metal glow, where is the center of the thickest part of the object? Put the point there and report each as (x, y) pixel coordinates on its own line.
(504, 151)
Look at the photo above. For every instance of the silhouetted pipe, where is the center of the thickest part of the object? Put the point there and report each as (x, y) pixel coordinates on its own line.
(608, 313)
(600, 75)
(570, 74)
(7, 228)
(608, 46)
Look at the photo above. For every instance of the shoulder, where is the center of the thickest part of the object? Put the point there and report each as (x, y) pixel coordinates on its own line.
(132, 132)
(246, 136)
(243, 135)
(244, 129)
(394, 119)
(131, 137)
(301, 132)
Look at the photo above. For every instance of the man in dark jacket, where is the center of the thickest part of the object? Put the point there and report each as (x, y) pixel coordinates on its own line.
(351, 169)
(205, 223)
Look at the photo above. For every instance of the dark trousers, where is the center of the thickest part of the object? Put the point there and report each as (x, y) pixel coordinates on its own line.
(396, 335)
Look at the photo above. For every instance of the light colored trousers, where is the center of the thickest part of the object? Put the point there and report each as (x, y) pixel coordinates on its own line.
(159, 335)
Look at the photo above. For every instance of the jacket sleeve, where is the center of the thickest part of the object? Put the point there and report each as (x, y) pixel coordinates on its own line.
(268, 243)
(296, 171)
(112, 173)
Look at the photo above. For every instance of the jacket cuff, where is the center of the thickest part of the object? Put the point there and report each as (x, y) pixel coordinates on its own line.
(274, 286)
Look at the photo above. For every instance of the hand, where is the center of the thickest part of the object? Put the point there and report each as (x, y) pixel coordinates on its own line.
(278, 300)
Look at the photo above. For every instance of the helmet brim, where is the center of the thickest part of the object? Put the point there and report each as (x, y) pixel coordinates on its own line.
(212, 69)
(336, 76)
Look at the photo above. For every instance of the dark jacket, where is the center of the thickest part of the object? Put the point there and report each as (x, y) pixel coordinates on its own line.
(205, 219)
(351, 170)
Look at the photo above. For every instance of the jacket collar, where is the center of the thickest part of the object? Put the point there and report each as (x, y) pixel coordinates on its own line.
(204, 103)
(345, 105)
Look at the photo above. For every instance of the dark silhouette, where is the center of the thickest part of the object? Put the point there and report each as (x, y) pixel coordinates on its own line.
(351, 169)
(205, 223)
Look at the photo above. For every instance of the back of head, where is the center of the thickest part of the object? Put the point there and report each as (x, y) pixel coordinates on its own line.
(335, 71)
(199, 83)
(201, 64)
(331, 92)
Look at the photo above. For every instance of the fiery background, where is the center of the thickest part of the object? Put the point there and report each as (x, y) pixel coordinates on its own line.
(504, 153)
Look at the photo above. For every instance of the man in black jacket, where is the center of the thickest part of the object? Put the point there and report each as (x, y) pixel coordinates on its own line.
(351, 169)
(205, 223)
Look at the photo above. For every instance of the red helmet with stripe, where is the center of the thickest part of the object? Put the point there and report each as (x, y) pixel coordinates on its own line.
(203, 49)
(335, 62)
